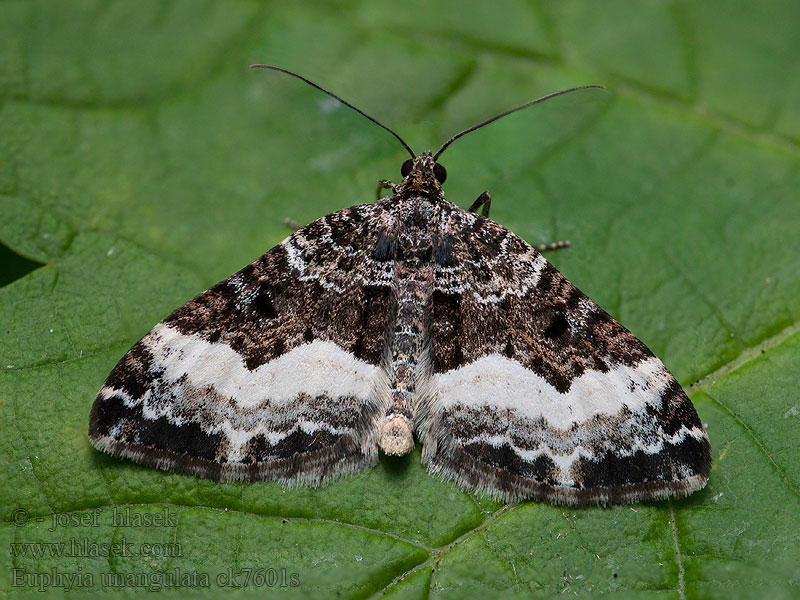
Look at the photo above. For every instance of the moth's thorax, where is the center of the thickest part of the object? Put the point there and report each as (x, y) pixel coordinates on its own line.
(419, 184)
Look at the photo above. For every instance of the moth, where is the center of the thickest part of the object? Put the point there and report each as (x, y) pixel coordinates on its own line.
(407, 316)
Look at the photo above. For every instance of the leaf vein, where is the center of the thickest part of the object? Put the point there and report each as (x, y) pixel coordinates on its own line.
(758, 443)
(681, 586)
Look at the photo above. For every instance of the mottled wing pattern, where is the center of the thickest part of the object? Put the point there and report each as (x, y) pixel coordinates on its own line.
(536, 392)
(272, 373)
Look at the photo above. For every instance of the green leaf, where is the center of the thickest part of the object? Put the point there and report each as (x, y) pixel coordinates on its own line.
(141, 162)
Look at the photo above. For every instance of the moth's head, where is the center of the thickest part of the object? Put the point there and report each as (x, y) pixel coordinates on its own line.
(423, 172)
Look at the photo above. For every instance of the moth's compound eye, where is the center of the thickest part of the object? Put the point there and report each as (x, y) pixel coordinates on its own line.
(439, 172)
(406, 168)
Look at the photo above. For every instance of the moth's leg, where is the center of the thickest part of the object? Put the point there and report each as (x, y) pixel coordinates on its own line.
(552, 245)
(385, 184)
(292, 223)
(485, 201)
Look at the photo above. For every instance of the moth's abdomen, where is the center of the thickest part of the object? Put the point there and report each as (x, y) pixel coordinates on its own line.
(412, 284)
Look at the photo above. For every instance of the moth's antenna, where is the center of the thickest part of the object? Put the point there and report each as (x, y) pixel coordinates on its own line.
(508, 112)
(322, 89)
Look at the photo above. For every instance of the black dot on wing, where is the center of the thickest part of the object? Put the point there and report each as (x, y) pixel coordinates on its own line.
(557, 327)
(263, 303)
(386, 247)
(508, 351)
(444, 252)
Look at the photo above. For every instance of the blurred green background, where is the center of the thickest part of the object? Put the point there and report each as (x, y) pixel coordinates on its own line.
(141, 161)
